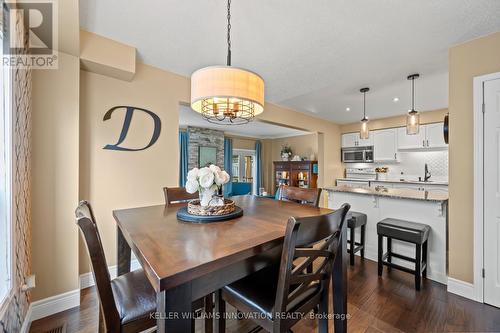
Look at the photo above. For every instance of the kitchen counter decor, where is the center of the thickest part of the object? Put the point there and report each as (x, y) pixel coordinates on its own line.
(381, 173)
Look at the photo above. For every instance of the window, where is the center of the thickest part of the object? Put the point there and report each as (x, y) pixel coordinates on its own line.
(5, 179)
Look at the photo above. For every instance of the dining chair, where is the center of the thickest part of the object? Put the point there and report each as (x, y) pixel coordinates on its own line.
(278, 296)
(308, 196)
(178, 194)
(126, 302)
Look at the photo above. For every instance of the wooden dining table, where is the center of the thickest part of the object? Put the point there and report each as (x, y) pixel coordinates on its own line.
(187, 261)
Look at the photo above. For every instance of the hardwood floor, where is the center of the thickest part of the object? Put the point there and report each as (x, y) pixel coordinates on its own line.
(387, 304)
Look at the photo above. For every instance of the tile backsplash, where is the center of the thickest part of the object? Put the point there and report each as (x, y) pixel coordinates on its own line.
(412, 165)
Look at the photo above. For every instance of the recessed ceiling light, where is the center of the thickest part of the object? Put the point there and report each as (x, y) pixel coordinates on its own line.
(348, 109)
(395, 99)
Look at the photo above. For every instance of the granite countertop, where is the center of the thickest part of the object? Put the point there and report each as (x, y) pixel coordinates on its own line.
(396, 193)
(431, 182)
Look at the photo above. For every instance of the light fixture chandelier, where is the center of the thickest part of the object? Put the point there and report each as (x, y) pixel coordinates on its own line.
(224, 94)
(364, 133)
(413, 117)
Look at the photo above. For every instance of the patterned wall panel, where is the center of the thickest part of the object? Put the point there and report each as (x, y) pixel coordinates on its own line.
(18, 304)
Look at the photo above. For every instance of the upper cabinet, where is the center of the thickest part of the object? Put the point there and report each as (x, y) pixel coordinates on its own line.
(353, 140)
(434, 136)
(349, 139)
(429, 136)
(406, 141)
(384, 145)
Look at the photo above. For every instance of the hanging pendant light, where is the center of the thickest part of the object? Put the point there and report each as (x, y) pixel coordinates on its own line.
(364, 133)
(225, 94)
(413, 117)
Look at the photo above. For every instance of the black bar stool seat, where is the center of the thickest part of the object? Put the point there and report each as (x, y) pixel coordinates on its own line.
(406, 231)
(356, 220)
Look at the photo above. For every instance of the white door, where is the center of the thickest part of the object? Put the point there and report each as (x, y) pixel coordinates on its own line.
(350, 139)
(406, 141)
(434, 135)
(492, 192)
(384, 145)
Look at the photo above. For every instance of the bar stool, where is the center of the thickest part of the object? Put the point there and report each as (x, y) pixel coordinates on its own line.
(356, 220)
(406, 231)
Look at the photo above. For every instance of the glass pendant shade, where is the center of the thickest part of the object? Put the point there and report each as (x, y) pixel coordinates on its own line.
(225, 94)
(413, 118)
(364, 133)
(412, 123)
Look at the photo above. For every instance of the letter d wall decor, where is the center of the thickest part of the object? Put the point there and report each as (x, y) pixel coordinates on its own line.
(126, 125)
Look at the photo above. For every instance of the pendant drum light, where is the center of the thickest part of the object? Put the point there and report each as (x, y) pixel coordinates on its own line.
(364, 133)
(413, 117)
(224, 94)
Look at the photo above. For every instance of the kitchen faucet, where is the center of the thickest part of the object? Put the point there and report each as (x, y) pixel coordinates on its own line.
(427, 174)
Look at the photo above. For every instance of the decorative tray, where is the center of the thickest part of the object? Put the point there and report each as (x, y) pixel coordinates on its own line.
(184, 215)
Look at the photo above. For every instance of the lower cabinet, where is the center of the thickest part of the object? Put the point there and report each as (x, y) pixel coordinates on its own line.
(378, 208)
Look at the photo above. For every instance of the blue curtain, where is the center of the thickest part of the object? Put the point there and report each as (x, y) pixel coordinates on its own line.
(258, 163)
(183, 161)
(228, 165)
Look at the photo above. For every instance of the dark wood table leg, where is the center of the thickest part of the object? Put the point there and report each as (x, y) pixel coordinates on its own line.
(220, 313)
(123, 253)
(339, 282)
(175, 310)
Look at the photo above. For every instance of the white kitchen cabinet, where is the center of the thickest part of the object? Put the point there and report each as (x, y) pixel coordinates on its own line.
(349, 139)
(384, 145)
(430, 136)
(406, 141)
(353, 140)
(366, 142)
(374, 184)
(423, 186)
(434, 136)
(353, 183)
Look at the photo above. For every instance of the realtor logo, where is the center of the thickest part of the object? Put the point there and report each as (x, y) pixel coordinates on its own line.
(30, 28)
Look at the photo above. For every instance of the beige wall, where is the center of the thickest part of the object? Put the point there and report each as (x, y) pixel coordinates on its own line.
(302, 145)
(115, 179)
(243, 143)
(427, 117)
(55, 140)
(474, 58)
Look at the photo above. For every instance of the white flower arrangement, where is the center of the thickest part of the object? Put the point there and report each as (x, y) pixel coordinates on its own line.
(207, 181)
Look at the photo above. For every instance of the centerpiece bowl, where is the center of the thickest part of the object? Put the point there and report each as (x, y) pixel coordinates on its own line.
(195, 208)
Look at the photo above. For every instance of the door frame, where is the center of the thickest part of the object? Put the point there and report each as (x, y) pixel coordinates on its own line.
(478, 96)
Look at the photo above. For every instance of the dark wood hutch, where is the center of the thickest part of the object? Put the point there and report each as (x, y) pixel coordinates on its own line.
(296, 173)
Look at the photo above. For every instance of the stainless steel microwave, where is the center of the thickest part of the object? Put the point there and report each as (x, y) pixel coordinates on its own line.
(357, 154)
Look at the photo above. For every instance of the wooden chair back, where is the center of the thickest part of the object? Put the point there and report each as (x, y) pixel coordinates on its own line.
(307, 240)
(178, 194)
(308, 196)
(86, 222)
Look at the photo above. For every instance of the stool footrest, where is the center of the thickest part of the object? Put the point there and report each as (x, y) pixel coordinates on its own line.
(400, 256)
(356, 249)
(396, 266)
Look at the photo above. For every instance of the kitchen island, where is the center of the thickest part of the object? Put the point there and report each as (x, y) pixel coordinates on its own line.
(428, 207)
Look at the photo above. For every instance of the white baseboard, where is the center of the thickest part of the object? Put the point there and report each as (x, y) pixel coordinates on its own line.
(49, 306)
(87, 279)
(461, 288)
(62, 302)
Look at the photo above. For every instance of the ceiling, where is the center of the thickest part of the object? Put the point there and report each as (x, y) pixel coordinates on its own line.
(254, 129)
(313, 55)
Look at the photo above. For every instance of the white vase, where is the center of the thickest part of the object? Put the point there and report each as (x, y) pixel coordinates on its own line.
(206, 196)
